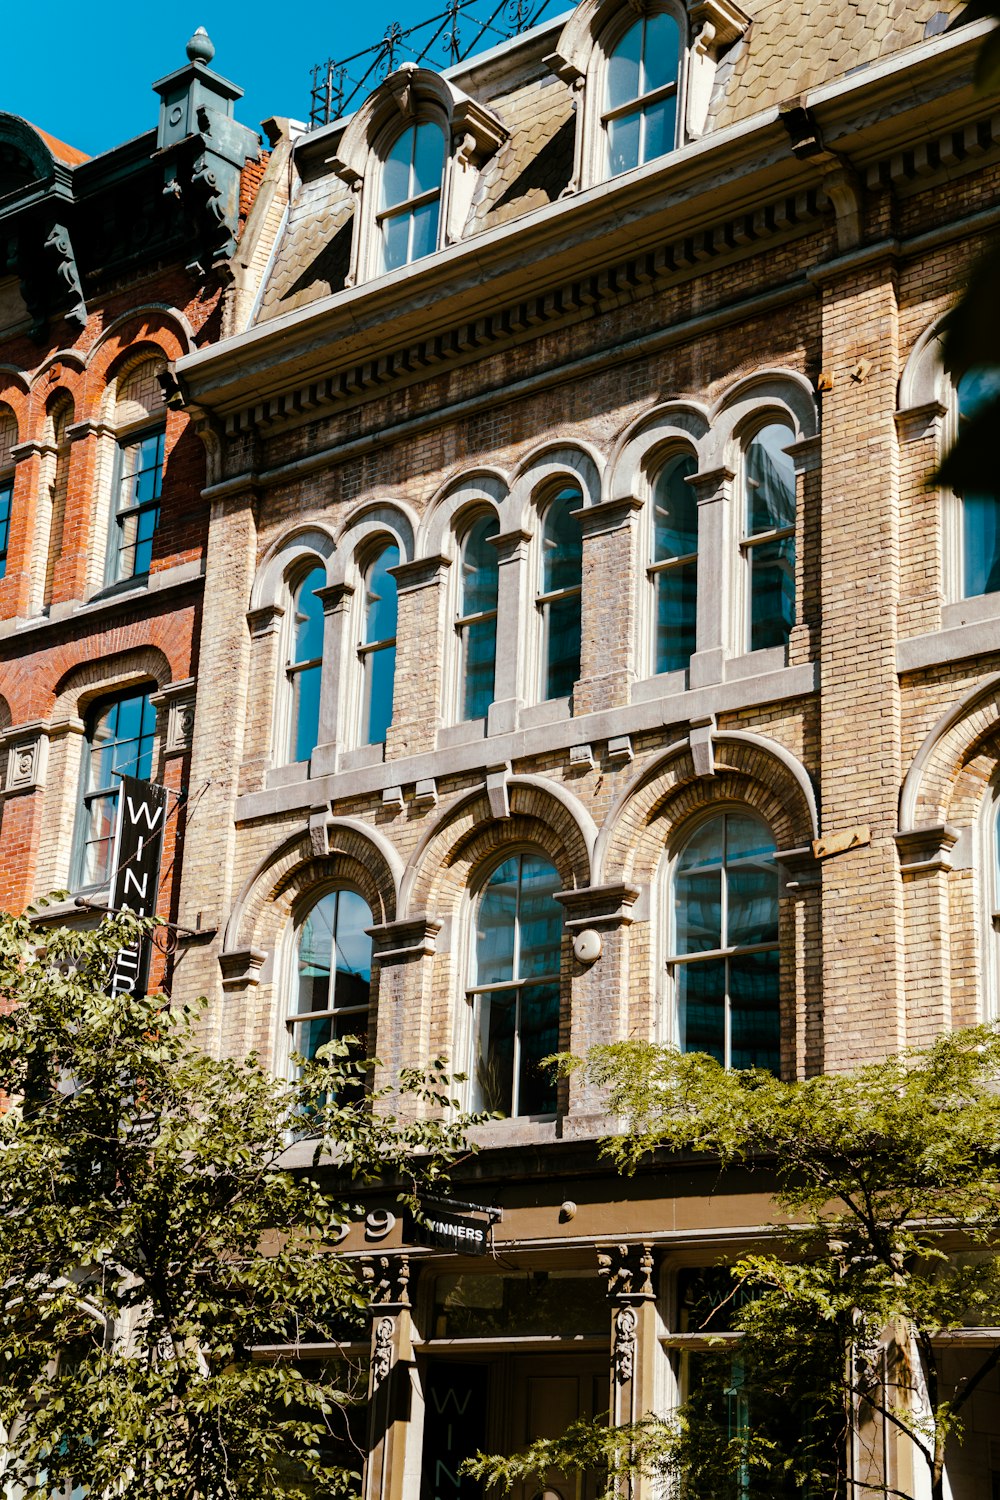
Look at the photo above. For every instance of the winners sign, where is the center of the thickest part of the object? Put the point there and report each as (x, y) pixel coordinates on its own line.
(142, 811)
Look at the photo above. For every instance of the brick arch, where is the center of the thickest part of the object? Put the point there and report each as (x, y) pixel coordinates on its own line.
(14, 397)
(358, 856)
(468, 835)
(749, 772)
(160, 328)
(5, 715)
(81, 682)
(936, 786)
(125, 363)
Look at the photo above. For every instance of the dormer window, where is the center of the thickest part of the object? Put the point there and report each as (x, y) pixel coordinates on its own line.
(409, 215)
(641, 92)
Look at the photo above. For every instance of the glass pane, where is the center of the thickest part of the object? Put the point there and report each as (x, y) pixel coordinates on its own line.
(480, 646)
(428, 158)
(380, 597)
(660, 53)
(701, 1007)
(520, 1302)
(315, 948)
(493, 1069)
(981, 544)
(380, 676)
(98, 837)
(623, 143)
(770, 480)
(753, 999)
(675, 510)
(309, 617)
(659, 128)
(395, 186)
(6, 493)
(562, 543)
(676, 617)
(698, 891)
(309, 1036)
(622, 82)
(976, 387)
(562, 664)
(395, 241)
(495, 922)
(752, 883)
(352, 952)
(425, 229)
(540, 918)
(539, 1037)
(305, 712)
(772, 592)
(480, 568)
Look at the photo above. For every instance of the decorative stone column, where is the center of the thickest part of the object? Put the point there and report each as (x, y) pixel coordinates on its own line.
(514, 626)
(599, 1004)
(925, 862)
(339, 660)
(420, 653)
(629, 1272)
(607, 645)
(713, 631)
(387, 1280)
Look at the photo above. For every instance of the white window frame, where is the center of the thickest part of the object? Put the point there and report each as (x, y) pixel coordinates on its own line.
(284, 746)
(650, 569)
(287, 992)
(612, 34)
(745, 543)
(459, 623)
(542, 600)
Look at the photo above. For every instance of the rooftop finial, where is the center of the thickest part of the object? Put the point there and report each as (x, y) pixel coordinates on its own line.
(200, 48)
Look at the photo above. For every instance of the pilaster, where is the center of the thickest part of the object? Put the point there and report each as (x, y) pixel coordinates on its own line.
(629, 1272)
(713, 632)
(607, 660)
(387, 1281)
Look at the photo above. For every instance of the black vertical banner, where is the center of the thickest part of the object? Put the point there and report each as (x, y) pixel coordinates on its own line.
(142, 812)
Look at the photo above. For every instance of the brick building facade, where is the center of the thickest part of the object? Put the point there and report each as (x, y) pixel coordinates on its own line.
(113, 270)
(583, 651)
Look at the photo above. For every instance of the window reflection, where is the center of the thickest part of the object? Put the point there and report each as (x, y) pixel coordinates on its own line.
(477, 617)
(559, 598)
(640, 93)
(769, 541)
(119, 743)
(305, 666)
(410, 195)
(378, 648)
(514, 989)
(980, 512)
(725, 943)
(674, 566)
(333, 974)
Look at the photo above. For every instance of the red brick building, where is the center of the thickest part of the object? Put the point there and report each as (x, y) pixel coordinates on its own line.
(113, 268)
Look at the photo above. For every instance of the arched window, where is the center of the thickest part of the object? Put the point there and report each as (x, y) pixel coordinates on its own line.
(558, 599)
(513, 989)
(8, 438)
(409, 209)
(980, 513)
(674, 566)
(138, 472)
(642, 74)
(476, 624)
(769, 536)
(119, 742)
(333, 969)
(305, 665)
(378, 647)
(724, 942)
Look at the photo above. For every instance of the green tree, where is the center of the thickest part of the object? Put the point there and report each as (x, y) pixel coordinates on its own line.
(151, 1238)
(889, 1181)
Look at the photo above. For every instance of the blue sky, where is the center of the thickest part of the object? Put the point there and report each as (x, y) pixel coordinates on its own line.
(84, 72)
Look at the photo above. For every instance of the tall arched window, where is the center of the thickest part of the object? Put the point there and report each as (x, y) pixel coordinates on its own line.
(332, 980)
(138, 472)
(476, 624)
(305, 665)
(409, 209)
(8, 438)
(769, 536)
(674, 566)
(514, 988)
(119, 742)
(980, 513)
(724, 941)
(558, 599)
(378, 647)
(640, 92)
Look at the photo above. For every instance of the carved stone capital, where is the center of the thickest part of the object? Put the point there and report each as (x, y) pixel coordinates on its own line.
(386, 1279)
(265, 621)
(334, 596)
(629, 1272)
(419, 573)
(399, 942)
(382, 1343)
(176, 703)
(24, 759)
(711, 485)
(607, 515)
(923, 850)
(914, 423)
(605, 907)
(800, 868)
(241, 966)
(512, 546)
(626, 1323)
